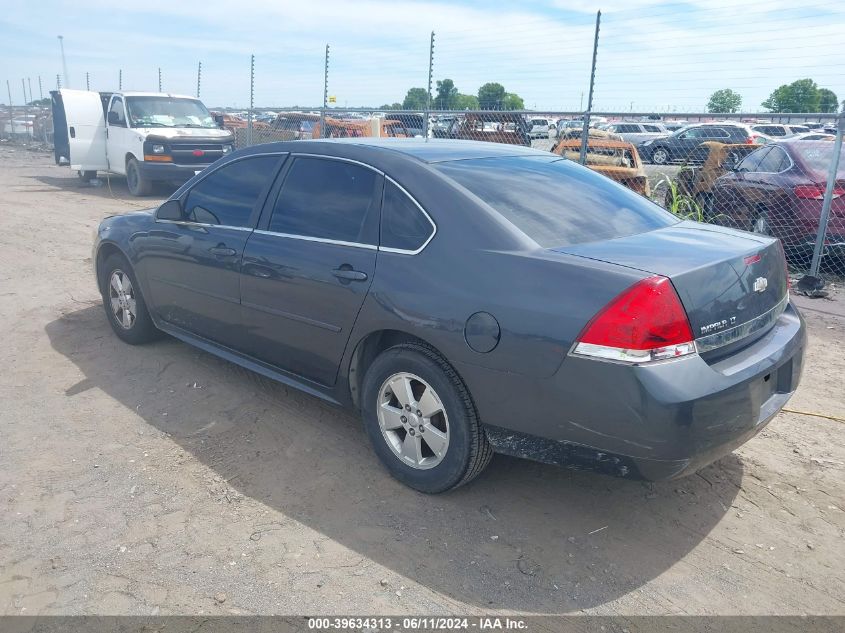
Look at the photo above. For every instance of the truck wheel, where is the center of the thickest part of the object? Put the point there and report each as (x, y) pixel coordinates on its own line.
(138, 185)
(421, 420)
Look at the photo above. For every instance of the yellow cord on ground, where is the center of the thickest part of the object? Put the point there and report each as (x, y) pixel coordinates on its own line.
(815, 415)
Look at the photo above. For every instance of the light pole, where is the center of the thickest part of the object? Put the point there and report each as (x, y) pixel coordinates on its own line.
(64, 62)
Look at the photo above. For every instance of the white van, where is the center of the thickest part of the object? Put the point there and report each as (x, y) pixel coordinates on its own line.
(146, 136)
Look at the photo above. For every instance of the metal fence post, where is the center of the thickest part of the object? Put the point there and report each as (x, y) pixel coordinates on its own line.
(325, 95)
(25, 110)
(40, 89)
(58, 82)
(199, 78)
(87, 81)
(11, 111)
(585, 132)
(251, 99)
(828, 197)
(120, 79)
(29, 83)
(428, 100)
(159, 79)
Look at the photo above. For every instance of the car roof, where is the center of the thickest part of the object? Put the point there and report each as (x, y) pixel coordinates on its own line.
(129, 93)
(427, 151)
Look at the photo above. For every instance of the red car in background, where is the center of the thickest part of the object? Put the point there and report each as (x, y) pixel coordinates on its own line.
(778, 190)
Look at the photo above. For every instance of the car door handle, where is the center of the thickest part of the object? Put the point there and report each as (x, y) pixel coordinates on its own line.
(222, 251)
(349, 275)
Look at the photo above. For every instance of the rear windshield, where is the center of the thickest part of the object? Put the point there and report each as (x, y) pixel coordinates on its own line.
(817, 156)
(557, 202)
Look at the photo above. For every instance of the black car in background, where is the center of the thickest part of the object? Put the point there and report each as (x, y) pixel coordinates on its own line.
(684, 144)
(467, 298)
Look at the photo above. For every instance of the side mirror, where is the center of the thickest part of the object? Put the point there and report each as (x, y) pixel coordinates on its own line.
(170, 210)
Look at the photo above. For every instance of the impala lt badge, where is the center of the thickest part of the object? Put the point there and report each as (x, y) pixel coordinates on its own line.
(760, 284)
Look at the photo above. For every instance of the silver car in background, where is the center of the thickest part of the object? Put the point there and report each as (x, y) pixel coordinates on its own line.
(637, 131)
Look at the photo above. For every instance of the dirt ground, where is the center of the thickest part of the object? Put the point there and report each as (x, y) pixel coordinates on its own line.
(159, 479)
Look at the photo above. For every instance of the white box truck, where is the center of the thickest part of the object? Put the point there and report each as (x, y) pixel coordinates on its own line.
(147, 136)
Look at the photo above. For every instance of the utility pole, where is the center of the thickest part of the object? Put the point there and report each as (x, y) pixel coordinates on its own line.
(199, 78)
(585, 132)
(430, 72)
(64, 63)
(325, 95)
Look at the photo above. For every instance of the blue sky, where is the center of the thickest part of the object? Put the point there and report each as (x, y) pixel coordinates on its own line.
(653, 55)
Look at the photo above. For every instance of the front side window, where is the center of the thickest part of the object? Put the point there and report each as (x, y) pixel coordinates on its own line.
(403, 224)
(228, 196)
(168, 112)
(119, 116)
(556, 202)
(328, 199)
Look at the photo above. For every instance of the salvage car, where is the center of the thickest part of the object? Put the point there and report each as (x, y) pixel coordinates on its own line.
(637, 131)
(467, 298)
(697, 182)
(617, 160)
(778, 190)
(496, 127)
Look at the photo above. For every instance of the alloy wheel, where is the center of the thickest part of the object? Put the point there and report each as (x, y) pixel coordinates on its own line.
(122, 299)
(413, 421)
(660, 156)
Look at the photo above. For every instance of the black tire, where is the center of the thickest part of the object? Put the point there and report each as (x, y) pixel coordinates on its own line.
(138, 185)
(142, 330)
(468, 451)
(660, 156)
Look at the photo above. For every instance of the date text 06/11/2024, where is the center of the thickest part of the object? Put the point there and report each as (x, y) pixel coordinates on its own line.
(417, 623)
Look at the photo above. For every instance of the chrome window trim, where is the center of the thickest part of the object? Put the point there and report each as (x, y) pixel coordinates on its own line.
(205, 225)
(321, 240)
(404, 251)
(720, 339)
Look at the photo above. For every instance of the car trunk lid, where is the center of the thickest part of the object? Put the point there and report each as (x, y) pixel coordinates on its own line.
(732, 284)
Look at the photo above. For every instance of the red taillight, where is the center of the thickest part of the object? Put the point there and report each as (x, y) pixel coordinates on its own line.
(646, 322)
(750, 140)
(815, 192)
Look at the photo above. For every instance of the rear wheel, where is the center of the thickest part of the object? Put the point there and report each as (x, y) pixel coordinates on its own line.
(421, 420)
(138, 185)
(660, 156)
(125, 306)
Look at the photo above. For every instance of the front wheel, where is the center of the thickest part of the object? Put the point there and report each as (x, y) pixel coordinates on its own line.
(660, 156)
(138, 185)
(125, 306)
(421, 420)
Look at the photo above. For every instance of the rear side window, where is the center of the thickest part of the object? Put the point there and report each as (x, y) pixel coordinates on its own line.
(627, 129)
(714, 132)
(228, 195)
(403, 224)
(753, 160)
(773, 162)
(328, 199)
(651, 128)
(557, 202)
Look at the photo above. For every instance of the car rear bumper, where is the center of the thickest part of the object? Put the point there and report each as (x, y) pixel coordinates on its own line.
(170, 172)
(657, 421)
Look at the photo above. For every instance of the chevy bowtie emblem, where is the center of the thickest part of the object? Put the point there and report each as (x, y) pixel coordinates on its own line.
(760, 284)
(199, 152)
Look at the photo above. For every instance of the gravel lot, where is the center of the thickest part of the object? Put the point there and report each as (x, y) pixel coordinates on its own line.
(160, 479)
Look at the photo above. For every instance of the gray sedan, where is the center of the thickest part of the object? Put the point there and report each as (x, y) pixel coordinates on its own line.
(467, 298)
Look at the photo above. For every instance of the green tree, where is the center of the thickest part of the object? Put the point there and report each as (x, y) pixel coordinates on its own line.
(490, 96)
(40, 102)
(799, 96)
(466, 102)
(512, 101)
(447, 95)
(416, 99)
(828, 101)
(725, 100)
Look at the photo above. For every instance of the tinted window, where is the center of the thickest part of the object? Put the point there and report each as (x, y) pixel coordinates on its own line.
(775, 161)
(713, 132)
(329, 199)
(117, 106)
(627, 129)
(751, 161)
(403, 225)
(557, 202)
(228, 196)
(652, 128)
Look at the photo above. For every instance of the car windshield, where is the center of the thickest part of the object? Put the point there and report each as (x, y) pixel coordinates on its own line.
(557, 202)
(168, 112)
(817, 157)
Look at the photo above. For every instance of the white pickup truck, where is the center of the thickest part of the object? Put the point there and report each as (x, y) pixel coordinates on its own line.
(146, 136)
